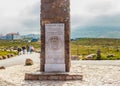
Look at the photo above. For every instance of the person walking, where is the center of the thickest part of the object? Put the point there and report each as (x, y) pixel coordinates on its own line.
(23, 49)
(31, 49)
(19, 51)
(27, 48)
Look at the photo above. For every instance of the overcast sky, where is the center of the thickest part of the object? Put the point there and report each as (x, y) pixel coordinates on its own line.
(23, 15)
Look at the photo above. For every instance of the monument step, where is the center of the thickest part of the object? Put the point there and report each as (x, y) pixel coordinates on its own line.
(53, 76)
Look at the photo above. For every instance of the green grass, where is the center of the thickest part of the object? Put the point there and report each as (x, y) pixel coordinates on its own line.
(80, 47)
(4, 44)
(7, 45)
(86, 46)
(5, 53)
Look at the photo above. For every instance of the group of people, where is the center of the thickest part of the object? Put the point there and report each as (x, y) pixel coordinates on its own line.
(25, 49)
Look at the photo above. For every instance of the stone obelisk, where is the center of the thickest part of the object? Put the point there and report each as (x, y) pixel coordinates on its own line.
(55, 43)
(55, 36)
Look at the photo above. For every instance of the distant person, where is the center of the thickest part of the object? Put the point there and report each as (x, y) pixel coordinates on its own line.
(19, 51)
(23, 49)
(31, 49)
(27, 48)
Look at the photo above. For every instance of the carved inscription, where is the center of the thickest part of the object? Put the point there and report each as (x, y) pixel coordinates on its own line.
(54, 41)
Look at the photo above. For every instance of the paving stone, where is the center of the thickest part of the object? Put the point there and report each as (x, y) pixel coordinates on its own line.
(94, 75)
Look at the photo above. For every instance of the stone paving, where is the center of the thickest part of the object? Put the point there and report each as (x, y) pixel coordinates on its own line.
(93, 75)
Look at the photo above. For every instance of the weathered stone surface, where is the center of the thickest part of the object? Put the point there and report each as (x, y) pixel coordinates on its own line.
(69, 77)
(55, 11)
(4, 57)
(8, 56)
(54, 47)
(12, 55)
(90, 57)
(53, 76)
(2, 67)
(29, 62)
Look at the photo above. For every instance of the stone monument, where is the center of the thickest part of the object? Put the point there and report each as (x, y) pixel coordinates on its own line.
(55, 36)
(55, 58)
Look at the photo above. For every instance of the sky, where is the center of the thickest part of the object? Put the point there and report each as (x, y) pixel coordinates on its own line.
(24, 15)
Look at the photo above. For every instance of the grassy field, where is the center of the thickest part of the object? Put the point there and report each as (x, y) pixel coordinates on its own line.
(17, 43)
(10, 47)
(4, 53)
(85, 46)
(79, 47)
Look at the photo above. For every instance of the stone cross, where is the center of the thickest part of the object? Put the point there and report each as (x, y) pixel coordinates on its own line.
(55, 36)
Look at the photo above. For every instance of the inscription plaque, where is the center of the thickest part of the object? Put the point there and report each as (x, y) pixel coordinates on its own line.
(55, 48)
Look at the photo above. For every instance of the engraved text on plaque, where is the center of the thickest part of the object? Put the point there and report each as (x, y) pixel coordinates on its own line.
(55, 48)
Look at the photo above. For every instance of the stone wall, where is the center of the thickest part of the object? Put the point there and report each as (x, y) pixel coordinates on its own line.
(55, 11)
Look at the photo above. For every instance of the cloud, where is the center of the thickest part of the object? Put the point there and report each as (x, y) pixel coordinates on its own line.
(24, 15)
(98, 21)
(108, 20)
(30, 19)
(19, 16)
(94, 7)
(95, 13)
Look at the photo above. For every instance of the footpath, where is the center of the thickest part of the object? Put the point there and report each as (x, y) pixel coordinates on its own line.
(19, 60)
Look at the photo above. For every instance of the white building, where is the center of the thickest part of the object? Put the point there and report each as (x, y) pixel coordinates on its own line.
(13, 36)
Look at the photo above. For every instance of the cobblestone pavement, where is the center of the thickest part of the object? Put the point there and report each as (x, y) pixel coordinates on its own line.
(94, 74)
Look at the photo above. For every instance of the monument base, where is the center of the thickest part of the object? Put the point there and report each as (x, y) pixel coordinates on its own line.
(54, 67)
(53, 76)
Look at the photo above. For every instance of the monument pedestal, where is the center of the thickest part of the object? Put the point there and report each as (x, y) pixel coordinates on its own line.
(55, 58)
(53, 76)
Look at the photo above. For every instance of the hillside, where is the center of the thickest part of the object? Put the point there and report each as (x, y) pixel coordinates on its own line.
(96, 32)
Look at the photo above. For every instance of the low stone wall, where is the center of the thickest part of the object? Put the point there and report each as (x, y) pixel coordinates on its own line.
(6, 56)
(53, 76)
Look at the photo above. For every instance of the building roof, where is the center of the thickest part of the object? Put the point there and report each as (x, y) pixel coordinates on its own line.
(13, 33)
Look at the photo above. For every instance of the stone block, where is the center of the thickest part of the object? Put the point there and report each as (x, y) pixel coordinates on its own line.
(53, 76)
(68, 77)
